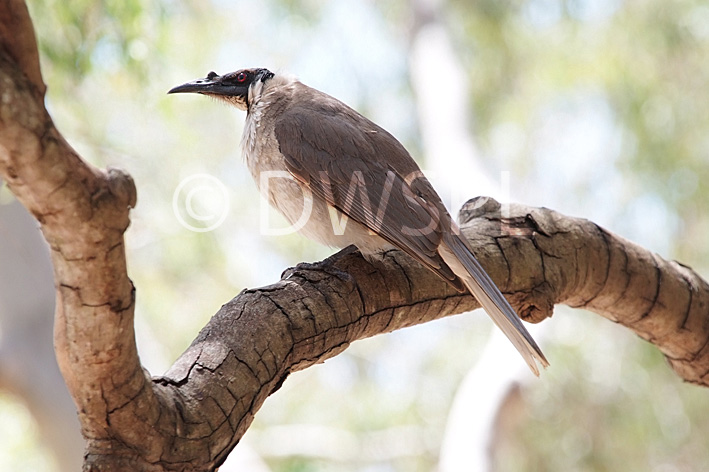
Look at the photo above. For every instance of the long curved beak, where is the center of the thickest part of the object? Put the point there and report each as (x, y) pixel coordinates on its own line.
(208, 85)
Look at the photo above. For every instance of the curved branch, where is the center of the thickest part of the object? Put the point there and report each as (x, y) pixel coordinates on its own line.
(84, 213)
(558, 259)
(192, 417)
(18, 41)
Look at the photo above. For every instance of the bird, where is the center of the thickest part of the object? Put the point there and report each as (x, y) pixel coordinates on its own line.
(341, 179)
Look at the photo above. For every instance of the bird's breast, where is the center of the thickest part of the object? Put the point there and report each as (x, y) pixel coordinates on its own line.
(268, 167)
(307, 213)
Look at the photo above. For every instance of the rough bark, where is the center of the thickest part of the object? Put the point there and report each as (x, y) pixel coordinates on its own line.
(193, 416)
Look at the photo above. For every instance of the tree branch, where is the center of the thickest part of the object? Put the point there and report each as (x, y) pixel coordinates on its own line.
(191, 418)
(18, 41)
(558, 259)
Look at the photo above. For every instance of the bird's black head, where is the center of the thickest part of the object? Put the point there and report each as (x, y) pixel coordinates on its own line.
(232, 87)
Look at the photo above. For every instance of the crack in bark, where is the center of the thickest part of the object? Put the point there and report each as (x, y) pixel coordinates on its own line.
(601, 286)
(690, 290)
(658, 282)
(128, 401)
(624, 270)
(389, 255)
(606, 245)
(496, 239)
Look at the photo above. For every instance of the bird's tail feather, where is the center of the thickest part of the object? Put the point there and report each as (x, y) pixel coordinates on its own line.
(456, 253)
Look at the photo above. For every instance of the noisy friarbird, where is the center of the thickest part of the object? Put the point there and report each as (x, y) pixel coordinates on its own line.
(341, 180)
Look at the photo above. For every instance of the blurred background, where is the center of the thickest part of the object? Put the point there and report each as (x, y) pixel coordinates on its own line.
(595, 108)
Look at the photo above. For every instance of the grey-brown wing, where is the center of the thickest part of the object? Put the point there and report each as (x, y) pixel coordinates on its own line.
(362, 171)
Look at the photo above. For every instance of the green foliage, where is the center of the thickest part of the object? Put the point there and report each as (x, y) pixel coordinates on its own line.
(648, 60)
(112, 33)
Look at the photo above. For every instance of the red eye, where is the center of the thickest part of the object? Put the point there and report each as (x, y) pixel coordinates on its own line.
(241, 77)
